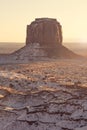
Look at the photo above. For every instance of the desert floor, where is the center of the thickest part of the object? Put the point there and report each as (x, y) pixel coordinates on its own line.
(44, 95)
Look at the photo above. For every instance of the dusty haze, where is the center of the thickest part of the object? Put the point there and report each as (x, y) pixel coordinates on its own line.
(9, 47)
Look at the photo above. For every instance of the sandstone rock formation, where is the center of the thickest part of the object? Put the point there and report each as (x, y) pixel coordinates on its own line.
(47, 33)
(43, 42)
(44, 31)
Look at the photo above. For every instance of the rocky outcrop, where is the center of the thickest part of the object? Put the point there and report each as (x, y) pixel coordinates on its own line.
(44, 31)
(44, 96)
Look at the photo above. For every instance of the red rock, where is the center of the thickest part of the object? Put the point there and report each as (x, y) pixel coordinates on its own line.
(45, 31)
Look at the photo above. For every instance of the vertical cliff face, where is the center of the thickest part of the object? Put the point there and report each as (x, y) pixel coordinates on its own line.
(45, 31)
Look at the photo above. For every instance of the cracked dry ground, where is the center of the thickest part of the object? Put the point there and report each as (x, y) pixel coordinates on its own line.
(44, 96)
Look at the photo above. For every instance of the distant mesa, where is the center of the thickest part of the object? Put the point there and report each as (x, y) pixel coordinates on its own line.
(45, 31)
(46, 34)
(44, 40)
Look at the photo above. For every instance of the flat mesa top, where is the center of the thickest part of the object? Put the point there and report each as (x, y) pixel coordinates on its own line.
(45, 19)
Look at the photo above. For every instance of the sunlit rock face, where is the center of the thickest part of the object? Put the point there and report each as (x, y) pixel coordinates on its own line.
(45, 31)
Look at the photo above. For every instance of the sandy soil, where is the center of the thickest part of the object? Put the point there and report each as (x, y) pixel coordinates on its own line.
(44, 96)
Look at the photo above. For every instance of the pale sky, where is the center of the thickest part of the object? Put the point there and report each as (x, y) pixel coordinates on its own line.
(16, 14)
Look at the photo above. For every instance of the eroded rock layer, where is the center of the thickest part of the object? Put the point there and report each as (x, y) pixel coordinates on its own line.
(44, 96)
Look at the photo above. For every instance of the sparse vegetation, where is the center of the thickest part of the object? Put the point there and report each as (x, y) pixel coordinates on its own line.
(44, 95)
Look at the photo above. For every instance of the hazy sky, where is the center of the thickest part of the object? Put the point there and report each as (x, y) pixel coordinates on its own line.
(16, 14)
